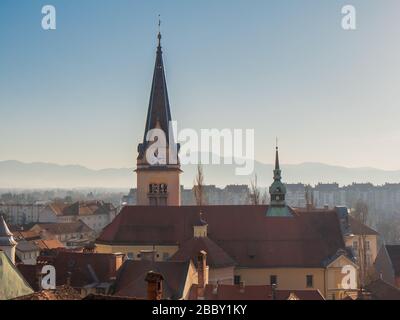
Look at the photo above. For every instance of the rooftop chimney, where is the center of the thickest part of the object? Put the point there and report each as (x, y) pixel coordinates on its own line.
(115, 262)
(154, 285)
(273, 291)
(215, 289)
(241, 286)
(68, 280)
(201, 273)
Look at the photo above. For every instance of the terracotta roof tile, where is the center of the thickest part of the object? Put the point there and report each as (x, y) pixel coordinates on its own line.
(61, 293)
(83, 268)
(394, 255)
(243, 232)
(48, 244)
(81, 208)
(108, 297)
(216, 256)
(253, 292)
(63, 228)
(131, 278)
(357, 227)
(30, 273)
(381, 290)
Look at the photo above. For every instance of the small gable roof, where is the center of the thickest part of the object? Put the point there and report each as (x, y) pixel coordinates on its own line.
(216, 256)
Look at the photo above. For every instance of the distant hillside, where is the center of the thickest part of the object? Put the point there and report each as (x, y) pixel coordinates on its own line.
(15, 174)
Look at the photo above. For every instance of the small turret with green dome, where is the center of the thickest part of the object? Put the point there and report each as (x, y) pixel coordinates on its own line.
(277, 191)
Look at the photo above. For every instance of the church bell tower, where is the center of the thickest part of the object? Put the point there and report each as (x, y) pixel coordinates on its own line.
(158, 167)
(277, 191)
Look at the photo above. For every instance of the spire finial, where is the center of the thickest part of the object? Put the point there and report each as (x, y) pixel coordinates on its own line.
(276, 143)
(277, 156)
(159, 30)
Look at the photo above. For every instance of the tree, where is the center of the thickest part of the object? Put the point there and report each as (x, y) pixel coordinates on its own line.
(388, 228)
(360, 213)
(198, 188)
(254, 193)
(309, 196)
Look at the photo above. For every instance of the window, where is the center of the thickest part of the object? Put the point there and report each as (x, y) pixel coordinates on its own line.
(163, 188)
(367, 245)
(236, 280)
(273, 280)
(310, 281)
(130, 255)
(165, 256)
(355, 245)
(158, 194)
(153, 188)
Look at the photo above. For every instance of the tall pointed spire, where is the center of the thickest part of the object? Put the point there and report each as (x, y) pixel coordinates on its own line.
(158, 182)
(6, 237)
(277, 191)
(159, 109)
(277, 170)
(7, 241)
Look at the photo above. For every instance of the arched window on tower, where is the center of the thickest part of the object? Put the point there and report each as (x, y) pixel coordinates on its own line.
(158, 193)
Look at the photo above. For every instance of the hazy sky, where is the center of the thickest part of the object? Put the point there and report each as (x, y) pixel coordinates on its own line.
(79, 94)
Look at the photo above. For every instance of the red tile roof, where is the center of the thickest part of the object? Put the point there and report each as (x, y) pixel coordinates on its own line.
(83, 268)
(63, 228)
(26, 235)
(108, 297)
(394, 255)
(301, 294)
(30, 273)
(358, 228)
(131, 278)
(381, 290)
(57, 207)
(49, 244)
(216, 256)
(61, 293)
(253, 292)
(243, 232)
(81, 208)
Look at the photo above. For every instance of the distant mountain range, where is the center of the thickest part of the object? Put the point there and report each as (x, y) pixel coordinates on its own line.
(16, 174)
